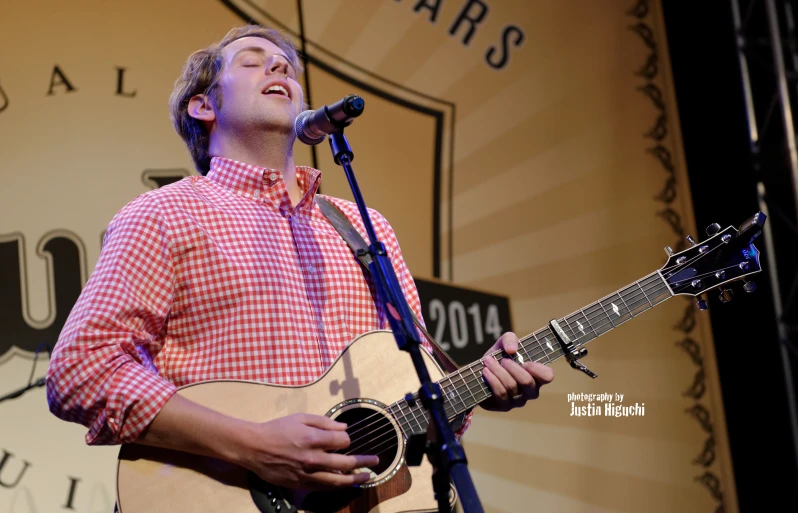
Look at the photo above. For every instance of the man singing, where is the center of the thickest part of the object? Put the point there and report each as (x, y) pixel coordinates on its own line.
(234, 274)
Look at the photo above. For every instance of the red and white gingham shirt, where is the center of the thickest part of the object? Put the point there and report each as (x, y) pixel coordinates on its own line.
(214, 277)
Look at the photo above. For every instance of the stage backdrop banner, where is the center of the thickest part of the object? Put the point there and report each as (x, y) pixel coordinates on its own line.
(523, 150)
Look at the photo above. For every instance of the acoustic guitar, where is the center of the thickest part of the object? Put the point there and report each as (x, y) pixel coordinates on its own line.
(367, 388)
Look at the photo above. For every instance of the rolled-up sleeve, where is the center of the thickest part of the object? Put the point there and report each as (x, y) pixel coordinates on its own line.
(102, 373)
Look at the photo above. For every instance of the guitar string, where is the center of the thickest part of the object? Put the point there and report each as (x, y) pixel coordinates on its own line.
(655, 291)
(361, 449)
(373, 437)
(698, 276)
(369, 444)
(659, 289)
(697, 257)
(590, 318)
(591, 315)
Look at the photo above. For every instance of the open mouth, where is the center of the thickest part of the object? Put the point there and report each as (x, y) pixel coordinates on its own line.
(277, 90)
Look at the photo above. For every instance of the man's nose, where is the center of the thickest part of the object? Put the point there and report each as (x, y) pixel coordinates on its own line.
(277, 65)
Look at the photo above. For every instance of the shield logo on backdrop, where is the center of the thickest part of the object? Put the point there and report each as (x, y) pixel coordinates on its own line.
(88, 129)
(85, 128)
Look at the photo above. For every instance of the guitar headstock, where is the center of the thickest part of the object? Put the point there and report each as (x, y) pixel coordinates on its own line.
(726, 256)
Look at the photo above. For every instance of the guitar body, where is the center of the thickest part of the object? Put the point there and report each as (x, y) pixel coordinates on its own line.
(152, 480)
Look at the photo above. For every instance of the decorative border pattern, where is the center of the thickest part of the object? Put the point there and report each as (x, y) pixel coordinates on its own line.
(3, 100)
(648, 72)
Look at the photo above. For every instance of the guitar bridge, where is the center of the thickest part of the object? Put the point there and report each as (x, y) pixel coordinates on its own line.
(571, 352)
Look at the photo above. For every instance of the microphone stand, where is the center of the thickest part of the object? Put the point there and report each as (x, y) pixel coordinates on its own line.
(446, 453)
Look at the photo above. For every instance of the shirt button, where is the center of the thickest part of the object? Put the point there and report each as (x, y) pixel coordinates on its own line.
(273, 177)
(256, 194)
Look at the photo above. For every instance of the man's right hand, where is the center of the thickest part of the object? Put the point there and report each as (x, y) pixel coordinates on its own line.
(292, 452)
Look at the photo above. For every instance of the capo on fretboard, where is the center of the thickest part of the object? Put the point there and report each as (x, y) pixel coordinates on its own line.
(570, 351)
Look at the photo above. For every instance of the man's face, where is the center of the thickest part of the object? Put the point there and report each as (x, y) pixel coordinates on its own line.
(258, 87)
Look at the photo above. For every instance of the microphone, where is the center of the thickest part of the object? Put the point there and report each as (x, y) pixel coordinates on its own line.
(312, 126)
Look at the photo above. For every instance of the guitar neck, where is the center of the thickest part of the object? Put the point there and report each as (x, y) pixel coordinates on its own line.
(464, 389)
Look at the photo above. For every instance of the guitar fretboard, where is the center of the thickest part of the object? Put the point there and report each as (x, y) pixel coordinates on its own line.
(464, 389)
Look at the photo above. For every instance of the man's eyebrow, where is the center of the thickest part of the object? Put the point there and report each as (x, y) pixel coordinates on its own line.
(258, 49)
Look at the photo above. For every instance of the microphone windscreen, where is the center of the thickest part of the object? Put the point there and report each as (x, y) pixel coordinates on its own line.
(302, 131)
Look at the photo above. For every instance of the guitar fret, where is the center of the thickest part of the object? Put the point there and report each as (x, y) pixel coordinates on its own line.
(541, 348)
(413, 413)
(455, 392)
(574, 334)
(639, 304)
(663, 291)
(624, 303)
(597, 323)
(568, 328)
(404, 421)
(579, 331)
(608, 315)
(468, 387)
(555, 346)
(644, 293)
(633, 300)
(480, 383)
(590, 324)
(523, 347)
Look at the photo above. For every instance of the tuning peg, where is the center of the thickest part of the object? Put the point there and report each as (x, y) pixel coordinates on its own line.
(691, 240)
(668, 250)
(713, 229)
(749, 286)
(726, 295)
(701, 303)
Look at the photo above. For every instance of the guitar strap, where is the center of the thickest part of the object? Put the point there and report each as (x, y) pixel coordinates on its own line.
(360, 249)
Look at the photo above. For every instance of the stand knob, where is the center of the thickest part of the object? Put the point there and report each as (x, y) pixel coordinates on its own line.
(749, 286)
(702, 304)
(726, 295)
(713, 229)
(410, 400)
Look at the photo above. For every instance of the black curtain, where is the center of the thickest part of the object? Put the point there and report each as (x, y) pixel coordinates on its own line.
(723, 177)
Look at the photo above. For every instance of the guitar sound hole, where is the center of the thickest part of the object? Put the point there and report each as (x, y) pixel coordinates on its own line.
(370, 432)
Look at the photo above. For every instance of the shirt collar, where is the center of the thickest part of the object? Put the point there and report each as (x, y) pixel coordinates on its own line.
(260, 182)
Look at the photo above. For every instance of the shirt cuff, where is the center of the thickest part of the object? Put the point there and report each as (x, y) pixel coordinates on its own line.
(136, 395)
(464, 426)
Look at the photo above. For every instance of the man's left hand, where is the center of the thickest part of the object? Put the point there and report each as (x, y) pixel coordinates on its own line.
(512, 384)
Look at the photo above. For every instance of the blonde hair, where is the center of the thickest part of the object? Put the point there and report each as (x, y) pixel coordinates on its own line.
(200, 75)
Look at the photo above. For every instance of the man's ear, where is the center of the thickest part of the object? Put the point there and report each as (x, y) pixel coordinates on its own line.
(201, 107)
